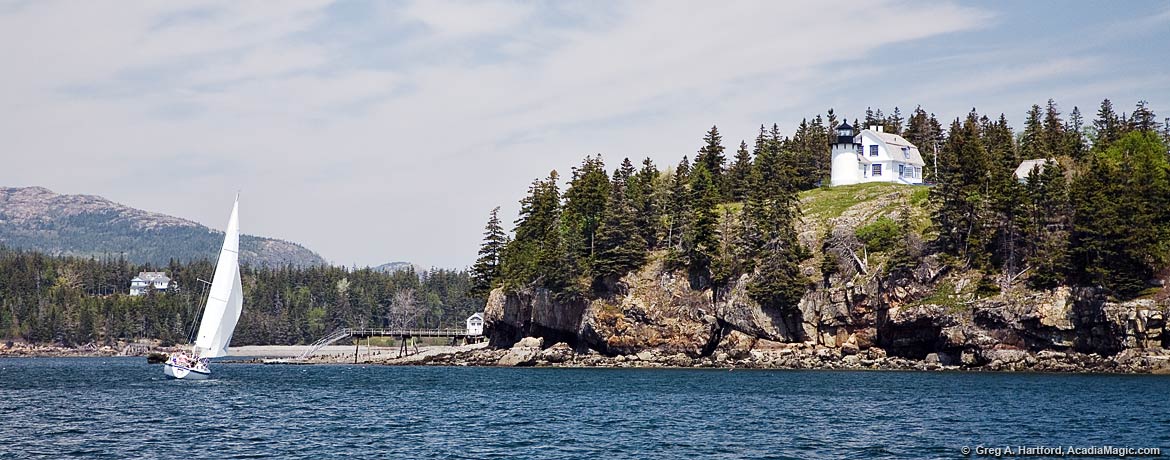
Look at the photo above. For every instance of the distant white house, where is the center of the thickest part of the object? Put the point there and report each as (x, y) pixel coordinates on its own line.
(148, 280)
(873, 155)
(1027, 166)
(475, 324)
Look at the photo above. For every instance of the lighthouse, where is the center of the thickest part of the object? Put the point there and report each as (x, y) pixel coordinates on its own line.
(849, 166)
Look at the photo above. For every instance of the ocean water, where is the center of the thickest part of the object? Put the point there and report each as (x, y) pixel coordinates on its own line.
(124, 408)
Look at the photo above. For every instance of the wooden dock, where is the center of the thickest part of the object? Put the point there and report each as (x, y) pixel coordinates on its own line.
(402, 335)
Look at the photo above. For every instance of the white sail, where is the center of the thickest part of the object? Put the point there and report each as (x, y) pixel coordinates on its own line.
(226, 300)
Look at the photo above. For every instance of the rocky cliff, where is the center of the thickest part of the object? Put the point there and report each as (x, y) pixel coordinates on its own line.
(87, 225)
(855, 307)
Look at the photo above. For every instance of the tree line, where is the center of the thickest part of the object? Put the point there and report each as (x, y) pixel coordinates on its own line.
(1095, 213)
(74, 300)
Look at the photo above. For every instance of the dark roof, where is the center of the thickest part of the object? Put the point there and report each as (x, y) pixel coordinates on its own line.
(844, 125)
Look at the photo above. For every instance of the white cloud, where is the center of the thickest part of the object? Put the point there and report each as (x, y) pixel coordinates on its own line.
(393, 141)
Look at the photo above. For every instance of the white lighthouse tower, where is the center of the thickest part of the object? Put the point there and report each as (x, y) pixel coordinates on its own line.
(849, 165)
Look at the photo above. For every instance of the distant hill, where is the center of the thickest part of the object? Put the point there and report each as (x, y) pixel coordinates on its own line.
(87, 225)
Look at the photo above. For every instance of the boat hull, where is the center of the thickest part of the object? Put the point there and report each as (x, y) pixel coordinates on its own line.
(179, 372)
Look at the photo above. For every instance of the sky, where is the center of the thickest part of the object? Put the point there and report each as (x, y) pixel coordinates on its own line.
(383, 131)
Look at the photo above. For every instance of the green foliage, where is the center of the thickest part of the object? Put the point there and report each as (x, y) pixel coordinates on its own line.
(880, 234)
(620, 247)
(711, 157)
(487, 267)
(1122, 214)
(700, 243)
(81, 300)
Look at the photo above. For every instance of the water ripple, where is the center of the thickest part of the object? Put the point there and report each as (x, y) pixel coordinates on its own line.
(119, 408)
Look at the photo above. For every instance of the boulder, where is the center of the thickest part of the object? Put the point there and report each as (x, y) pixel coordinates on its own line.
(558, 353)
(519, 357)
(530, 342)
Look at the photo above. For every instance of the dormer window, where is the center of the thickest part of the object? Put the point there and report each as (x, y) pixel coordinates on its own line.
(906, 152)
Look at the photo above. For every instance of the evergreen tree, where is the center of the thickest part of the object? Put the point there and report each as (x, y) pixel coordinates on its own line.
(739, 174)
(770, 214)
(1053, 138)
(585, 201)
(620, 246)
(1045, 226)
(962, 195)
(487, 266)
(1144, 119)
(1032, 139)
(677, 204)
(646, 202)
(540, 254)
(1108, 126)
(1121, 219)
(894, 122)
(711, 156)
(700, 242)
(1075, 145)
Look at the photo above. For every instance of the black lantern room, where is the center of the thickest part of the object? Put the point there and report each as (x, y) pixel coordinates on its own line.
(844, 133)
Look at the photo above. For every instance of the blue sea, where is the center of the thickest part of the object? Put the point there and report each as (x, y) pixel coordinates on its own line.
(125, 408)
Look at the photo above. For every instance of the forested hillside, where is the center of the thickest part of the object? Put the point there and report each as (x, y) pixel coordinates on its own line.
(76, 301)
(86, 225)
(1096, 214)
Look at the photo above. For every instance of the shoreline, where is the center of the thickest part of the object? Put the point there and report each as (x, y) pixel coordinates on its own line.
(560, 355)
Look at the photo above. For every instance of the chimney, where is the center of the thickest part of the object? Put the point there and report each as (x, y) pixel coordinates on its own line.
(873, 127)
(881, 129)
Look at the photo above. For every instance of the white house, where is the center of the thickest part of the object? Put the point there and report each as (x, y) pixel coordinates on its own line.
(146, 280)
(873, 156)
(475, 324)
(1027, 166)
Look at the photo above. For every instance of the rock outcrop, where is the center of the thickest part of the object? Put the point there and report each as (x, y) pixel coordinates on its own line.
(855, 313)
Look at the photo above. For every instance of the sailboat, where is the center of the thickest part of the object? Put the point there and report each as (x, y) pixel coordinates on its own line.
(220, 314)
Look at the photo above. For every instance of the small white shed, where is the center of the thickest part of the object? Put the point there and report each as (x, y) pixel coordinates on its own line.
(475, 324)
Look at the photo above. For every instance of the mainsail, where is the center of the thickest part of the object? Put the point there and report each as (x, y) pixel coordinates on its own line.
(226, 300)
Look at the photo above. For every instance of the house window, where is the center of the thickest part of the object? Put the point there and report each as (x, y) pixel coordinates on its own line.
(861, 168)
(901, 170)
(906, 152)
(877, 170)
(860, 149)
(873, 150)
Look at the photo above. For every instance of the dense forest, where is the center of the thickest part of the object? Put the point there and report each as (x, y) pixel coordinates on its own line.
(75, 301)
(1097, 212)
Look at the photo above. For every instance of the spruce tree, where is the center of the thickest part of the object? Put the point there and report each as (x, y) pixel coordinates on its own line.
(1107, 126)
(1032, 138)
(961, 194)
(585, 201)
(1046, 226)
(1144, 119)
(644, 197)
(487, 267)
(1053, 138)
(700, 242)
(711, 156)
(770, 214)
(1075, 145)
(1122, 214)
(620, 246)
(677, 204)
(739, 173)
